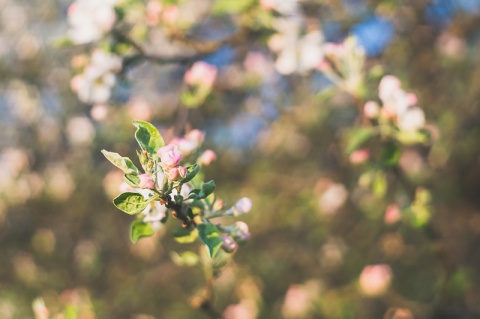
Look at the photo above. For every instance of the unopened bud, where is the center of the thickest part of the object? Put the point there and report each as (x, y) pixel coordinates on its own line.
(241, 233)
(371, 109)
(228, 244)
(143, 157)
(177, 173)
(145, 181)
(242, 206)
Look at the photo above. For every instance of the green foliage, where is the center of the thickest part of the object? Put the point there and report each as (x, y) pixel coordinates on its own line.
(186, 258)
(359, 136)
(185, 235)
(192, 171)
(231, 6)
(210, 236)
(140, 229)
(204, 192)
(123, 163)
(132, 203)
(148, 137)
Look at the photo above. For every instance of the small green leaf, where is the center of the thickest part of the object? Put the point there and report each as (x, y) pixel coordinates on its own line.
(210, 236)
(390, 155)
(414, 137)
(187, 258)
(131, 203)
(207, 189)
(358, 137)
(379, 186)
(140, 229)
(123, 163)
(148, 137)
(132, 180)
(185, 236)
(192, 170)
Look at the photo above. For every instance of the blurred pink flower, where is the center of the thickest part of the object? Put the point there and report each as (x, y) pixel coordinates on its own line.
(371, 109)
(375, 279)
(170, 14)
(297, 302)
(359, 156)
(154, 9)
(246, 309)
(392, 214)
(145, 181)
(412, 119)
(207, 157)
(170, 156)
(201, 74)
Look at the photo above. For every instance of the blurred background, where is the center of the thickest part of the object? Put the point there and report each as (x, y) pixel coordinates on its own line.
(320, 248)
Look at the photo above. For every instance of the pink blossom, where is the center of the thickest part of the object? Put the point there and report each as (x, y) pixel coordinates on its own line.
(267, 4)
(201, 74)
(177, 173)
(207, 157)
(412, 119)
(228, 244)
(359, 156)
(370, 110)
(246, 309)
(392, 214)
(170, 156)
(375, 279)
(170, 14)
(241, 233)
(145, 181)
(195, 136)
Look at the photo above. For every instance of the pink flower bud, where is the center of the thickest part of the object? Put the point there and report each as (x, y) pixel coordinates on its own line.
(388, 85)
(201, 74)
(170, 156)
(145, 181)
(359, 156)
(218, 205)
(243, 206)
(370, 110)
(228, 244)
(375, 279)
(207, 157)
(241, 233)
(171, 14)
(392, 214)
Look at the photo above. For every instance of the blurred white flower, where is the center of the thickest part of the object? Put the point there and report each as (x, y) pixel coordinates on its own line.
(412, 119)
(98, 78)
(333, 198)
(90, 19)
(80, 131)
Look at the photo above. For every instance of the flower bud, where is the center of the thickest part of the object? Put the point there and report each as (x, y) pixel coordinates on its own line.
(241, 233)
(359, 156)
(228, 244)
(145, 181)
(242, 206)
(392, 214)
(207, 158)
(170, 156)
(195, 136)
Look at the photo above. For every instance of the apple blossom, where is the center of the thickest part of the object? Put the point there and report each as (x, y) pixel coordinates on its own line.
(359, 156)
(201, 74)
(242, 206)
(371, 109)
(170, 156)
(207, 157)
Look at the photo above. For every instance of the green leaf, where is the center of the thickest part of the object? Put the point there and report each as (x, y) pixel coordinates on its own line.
(148, 137)
(123, 163)
(187, 258)
(140, 229)
(379, 186)
(409, 138)
(185, 236)
(210, 236)
(192, 170)
(358, 137)
(132, 180)
(390, 155)
(231, 6)
(207, 189)
(131, 203)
